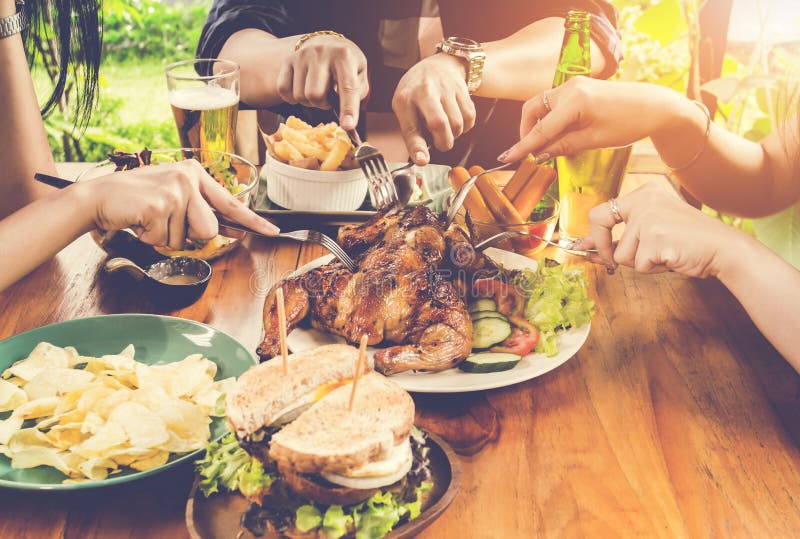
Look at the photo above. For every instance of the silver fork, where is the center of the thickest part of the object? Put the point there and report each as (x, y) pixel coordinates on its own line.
(304, 236)
(463, 191)
(373, 165)
(502, 236)
(313, 236)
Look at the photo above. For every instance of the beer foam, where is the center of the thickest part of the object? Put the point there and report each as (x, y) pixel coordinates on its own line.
(203, 98)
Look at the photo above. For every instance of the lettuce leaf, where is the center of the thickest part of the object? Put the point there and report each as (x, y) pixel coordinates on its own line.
(335, 522)
(226, 467)
(307, 518)
(557, 299)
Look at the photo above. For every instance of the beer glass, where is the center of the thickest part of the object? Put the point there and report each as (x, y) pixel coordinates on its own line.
(204, 95)
(586, 180)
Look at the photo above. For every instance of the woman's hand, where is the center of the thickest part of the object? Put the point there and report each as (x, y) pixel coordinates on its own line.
(433, 96)
(588, 113)
(661, 233)
(323, 65)
(164, 204)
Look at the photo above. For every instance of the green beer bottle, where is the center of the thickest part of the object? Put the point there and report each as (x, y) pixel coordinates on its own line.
(575, 59)
(590, 177)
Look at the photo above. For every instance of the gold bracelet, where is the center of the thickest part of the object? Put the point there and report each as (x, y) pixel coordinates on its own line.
(314, 34)
(696, 156)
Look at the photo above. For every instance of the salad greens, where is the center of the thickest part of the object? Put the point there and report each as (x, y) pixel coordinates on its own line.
(372, 518)
(556, 299)
(220, 168)
(226, 467)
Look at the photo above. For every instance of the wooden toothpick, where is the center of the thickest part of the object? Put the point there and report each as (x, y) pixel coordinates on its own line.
(362, 357)
(282, 329)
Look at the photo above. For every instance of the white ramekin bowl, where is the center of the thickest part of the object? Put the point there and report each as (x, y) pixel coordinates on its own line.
(300, 189)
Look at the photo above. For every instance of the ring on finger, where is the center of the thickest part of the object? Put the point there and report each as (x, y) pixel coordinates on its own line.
(614, 207)
(546, 101)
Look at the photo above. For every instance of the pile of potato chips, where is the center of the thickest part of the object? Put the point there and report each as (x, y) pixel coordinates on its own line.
(89, 416)
(324, 147)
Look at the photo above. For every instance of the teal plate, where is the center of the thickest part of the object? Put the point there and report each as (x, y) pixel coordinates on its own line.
(157, 339)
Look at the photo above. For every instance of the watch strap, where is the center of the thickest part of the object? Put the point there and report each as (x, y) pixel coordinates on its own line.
(14, 24)
(475, 60)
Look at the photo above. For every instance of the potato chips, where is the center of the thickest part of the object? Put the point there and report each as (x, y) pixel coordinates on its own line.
(324, 147)
(90, 416)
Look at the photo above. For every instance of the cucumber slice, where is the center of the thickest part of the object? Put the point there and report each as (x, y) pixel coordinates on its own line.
(484, 304)
(487, 332)
(489, 362)
(487, 314)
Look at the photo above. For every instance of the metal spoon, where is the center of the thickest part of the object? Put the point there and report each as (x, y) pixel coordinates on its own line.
(404, 184)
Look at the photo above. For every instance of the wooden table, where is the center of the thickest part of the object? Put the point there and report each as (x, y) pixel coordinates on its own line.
(675, 419)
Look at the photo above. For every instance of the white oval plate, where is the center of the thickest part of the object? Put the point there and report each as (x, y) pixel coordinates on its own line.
(455, 380)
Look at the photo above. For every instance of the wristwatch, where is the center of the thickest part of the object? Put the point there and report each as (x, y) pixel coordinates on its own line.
(472, 52)
(14, 24)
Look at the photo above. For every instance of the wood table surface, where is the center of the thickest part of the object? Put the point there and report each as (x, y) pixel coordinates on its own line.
(675, 419)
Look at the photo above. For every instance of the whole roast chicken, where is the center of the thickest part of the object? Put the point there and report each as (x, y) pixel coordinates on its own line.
(405, 293)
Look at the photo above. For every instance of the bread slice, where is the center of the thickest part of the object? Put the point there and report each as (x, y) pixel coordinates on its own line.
(264, 391)
(329, 438)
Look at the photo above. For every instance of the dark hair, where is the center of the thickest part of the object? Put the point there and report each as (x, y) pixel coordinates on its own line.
(73, 29)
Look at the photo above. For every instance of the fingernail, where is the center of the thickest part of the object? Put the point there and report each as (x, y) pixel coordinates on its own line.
(543, 158)
(348, 122)
(503, 156)
(420, 157)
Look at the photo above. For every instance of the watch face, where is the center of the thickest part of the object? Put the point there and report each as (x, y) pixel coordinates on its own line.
(463, 43)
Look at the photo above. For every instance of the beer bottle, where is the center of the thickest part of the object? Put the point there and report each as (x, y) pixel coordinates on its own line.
(575, 58)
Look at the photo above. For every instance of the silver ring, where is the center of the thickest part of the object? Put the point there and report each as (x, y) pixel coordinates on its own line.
(614, 207)
(546, 101)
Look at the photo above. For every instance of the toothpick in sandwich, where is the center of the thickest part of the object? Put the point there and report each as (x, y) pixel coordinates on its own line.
(282, 329)
(362, 357)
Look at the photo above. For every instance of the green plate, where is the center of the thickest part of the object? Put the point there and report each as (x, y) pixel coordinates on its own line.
(157, 339)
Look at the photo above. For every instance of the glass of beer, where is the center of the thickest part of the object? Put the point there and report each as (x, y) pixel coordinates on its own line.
(586, 180)
(204, 95)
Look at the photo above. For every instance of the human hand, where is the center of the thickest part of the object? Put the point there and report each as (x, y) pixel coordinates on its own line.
(322, 65)
(164, 204)
(433, 96)
(588, 113)
(661, 233)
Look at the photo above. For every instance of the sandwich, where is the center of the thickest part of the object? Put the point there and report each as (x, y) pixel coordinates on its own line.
(322, 453)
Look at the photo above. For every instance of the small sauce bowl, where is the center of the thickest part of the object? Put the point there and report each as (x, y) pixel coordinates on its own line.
(173, 282)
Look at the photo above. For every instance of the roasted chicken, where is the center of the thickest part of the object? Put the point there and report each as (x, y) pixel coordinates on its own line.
(404, 294)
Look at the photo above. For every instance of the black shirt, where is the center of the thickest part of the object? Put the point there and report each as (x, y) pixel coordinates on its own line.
(385, 31)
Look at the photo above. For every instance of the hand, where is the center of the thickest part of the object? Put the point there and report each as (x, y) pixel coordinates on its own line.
(661, 233)
(322, 65)
(433, 96)
(166, 203)
(589, 113)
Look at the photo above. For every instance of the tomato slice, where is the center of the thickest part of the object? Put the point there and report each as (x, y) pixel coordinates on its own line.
(510, 300)
(520, 342)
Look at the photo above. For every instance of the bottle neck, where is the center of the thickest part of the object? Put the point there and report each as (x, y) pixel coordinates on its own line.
(575, 58)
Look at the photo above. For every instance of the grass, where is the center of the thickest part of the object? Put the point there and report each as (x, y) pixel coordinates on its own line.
(141, 86)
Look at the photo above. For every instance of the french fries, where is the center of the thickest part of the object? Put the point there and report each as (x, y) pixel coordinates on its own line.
(324, 147)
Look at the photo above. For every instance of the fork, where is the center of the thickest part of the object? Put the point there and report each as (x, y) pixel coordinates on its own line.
(464, 190)
(303, 236)
(373, 165)
(502, 236)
